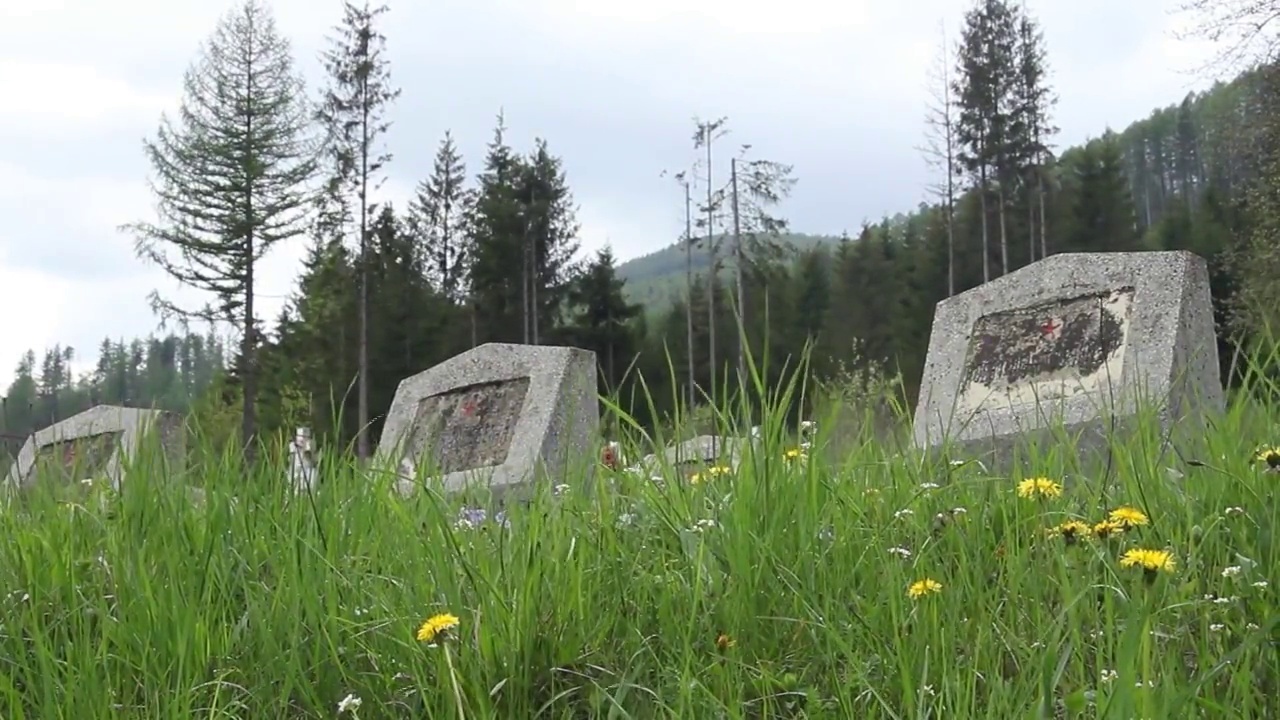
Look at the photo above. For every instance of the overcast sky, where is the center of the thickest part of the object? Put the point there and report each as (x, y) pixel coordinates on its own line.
(836, 88)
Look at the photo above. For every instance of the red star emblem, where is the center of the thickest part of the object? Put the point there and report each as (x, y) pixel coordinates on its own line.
(1050, 330)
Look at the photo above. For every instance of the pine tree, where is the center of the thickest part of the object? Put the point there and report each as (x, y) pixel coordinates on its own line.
(231, 177)
(1102, 214)
(1033, 102)
(603, 321)
(353, 111)
(436, 218)
(986, 128)
(496, 231)
(549, 238)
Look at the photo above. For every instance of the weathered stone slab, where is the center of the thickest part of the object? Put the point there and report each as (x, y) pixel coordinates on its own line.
(696, 453)
(94, 443)
(1076, 339)
(496, 416)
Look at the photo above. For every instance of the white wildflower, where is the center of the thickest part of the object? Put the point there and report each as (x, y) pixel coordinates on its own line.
(1108, 676)
(905, 512)
(900, 552)
(1229, 572)
(350, 702)
(1217, 627)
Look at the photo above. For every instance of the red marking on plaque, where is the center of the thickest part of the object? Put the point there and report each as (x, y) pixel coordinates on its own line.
(609, 458)
(1049, 330)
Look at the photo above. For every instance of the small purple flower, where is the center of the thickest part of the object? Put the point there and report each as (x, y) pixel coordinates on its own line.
(473, 517)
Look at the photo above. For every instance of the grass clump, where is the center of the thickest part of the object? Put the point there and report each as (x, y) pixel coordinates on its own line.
(880, 586)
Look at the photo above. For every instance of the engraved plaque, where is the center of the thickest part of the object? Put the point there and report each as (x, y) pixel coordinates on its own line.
(468, 427)
(76, 458)
(1046, 352)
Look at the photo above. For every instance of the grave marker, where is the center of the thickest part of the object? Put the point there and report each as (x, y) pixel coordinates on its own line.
(1071, 339)
(93, 443)
(495, 415)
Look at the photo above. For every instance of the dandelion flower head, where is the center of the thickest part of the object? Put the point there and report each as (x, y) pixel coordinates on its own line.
(1072, 530)
(1040, 487)
(1107, 528)
(1128, 517)
(435, 626)
(1149, 560)
(1269, 456)
(920, 588)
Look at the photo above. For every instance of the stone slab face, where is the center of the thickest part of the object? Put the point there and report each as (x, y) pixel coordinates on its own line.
(496, 416)
(1073, 339)
(94, 443)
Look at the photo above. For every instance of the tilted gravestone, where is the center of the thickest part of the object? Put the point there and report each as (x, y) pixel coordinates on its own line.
(92, 444)
(496, 416)
(1076, 340)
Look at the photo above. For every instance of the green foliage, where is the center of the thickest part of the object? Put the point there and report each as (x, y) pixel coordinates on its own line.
(777, 590)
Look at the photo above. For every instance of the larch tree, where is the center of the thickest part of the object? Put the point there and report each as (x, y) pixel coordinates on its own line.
(704, 136)
(940, 148)
(231, 179)
(353, 112)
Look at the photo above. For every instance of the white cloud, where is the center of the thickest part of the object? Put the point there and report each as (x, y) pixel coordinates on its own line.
(54, 98)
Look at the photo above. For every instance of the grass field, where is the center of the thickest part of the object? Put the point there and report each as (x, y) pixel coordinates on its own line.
(867, 585)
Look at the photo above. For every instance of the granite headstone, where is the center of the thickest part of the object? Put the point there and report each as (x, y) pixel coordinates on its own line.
(92, 444)
(495, 416)
(1076, 340)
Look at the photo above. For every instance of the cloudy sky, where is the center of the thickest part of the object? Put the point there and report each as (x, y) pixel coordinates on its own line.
(836, 88)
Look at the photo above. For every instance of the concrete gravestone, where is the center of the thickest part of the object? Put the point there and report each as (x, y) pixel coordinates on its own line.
(92, 444)
(496, 415)
(1071, 339)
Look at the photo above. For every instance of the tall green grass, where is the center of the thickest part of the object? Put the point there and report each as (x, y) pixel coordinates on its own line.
(779, 591)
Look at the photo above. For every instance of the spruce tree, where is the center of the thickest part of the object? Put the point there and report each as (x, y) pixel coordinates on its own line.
(354, 112)
(496, 231)
(436, 218)
(602, 320)
(231, 177)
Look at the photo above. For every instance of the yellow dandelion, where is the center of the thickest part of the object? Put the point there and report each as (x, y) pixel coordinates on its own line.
(1040, 487)
(1071, 531)
(920, 588)
(793, 454)
(1128, 517)
(1268, 456)
(437, 626)
(710, 474)
(1149, 560)
(724, 641)
(1107, 528)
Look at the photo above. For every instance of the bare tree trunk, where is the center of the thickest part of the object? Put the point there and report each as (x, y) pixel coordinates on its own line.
(1004, 235)
(688, 264)
(742, 303)
(986, 235)
(711, 275)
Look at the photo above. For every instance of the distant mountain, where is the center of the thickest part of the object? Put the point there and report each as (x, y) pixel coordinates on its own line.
(657, 279)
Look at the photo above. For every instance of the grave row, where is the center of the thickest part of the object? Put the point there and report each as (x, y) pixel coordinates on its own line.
(1081, 341)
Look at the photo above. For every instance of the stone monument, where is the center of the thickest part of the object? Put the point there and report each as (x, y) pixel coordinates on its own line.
(1077, 339)
(92, 444)
(495, 416)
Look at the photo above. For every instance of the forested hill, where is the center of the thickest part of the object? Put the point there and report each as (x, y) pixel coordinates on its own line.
(655, 279)
(1194, 143)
